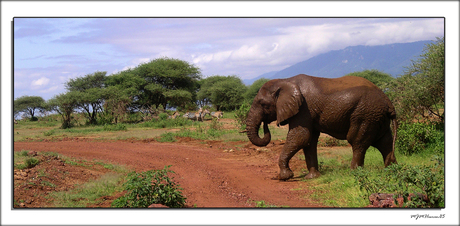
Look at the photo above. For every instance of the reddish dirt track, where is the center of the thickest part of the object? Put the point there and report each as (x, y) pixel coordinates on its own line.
(210, 175)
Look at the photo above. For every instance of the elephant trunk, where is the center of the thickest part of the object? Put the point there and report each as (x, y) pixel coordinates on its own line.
(252, 129)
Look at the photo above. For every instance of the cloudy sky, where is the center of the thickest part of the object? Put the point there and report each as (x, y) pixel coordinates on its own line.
(49, 51)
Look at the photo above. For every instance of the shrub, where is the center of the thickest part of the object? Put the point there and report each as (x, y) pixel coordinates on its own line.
(215, 124)
(163, 116)
(404, 180)
(418, 137)
(167, 137)
(116, 127)
(153, 186)
(31, 162)
(49, 133)
(332, 142)
(241, 114)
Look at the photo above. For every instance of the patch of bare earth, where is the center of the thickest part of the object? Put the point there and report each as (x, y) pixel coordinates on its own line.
(32, 186)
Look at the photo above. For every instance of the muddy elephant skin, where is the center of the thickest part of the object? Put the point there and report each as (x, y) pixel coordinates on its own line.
(347, 108)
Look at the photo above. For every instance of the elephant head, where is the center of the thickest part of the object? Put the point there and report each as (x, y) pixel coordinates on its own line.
(277, 100)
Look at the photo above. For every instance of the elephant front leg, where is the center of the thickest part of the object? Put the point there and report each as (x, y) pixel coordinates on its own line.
(297, 138)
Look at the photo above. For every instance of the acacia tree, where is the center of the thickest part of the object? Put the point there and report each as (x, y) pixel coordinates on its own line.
(28, 105)
(90, 92)
(65, 104)
(253, 89)
(116, 104)
(223, 92)
(421, 88)
(168, 81)
(379, 78)
(127, 84)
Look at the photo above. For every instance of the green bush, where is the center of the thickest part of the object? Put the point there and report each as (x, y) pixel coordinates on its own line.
(116, 127)
(49, 133)
(332, 142)
(419, 137)
(403, 180)
(163, 116)
(241, 114)
(167, 137)
(31, 162)
(153, 186)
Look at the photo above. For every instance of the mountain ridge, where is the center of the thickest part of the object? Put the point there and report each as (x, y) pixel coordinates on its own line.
(390, 58)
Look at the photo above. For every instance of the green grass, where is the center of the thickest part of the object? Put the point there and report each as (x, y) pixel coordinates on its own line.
(337, 187)
(89, 193)
(21, 160)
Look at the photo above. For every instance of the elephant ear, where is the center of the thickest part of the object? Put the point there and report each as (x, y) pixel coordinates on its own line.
(288, 101)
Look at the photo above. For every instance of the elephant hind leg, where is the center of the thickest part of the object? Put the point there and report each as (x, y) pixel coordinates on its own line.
(311, 157)
(385, 146)
(360, 140)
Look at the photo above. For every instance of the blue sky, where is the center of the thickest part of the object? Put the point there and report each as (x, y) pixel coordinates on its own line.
(50, 51)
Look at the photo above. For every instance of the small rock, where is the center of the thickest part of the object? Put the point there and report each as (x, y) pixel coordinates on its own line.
(157, 205)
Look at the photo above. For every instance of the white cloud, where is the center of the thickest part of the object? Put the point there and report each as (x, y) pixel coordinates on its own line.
(41, 81)
(49, 90)
(291, 44)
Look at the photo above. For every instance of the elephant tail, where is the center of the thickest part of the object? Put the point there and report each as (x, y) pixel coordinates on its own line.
(392, 116)
(395, 132)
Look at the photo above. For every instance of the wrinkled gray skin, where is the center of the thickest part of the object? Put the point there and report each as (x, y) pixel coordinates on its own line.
(347, 108)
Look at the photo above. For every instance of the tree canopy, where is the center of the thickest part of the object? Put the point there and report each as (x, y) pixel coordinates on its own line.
(90, 90)
(421, 89)
(379, 78)
(223, 92)
(168, 81)
(253, 89)
(64, 104)
(28, 105)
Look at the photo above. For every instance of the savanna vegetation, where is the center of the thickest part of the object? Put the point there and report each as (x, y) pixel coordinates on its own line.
(137, 103)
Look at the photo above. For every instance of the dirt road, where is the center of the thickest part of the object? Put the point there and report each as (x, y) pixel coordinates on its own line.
(212, 174)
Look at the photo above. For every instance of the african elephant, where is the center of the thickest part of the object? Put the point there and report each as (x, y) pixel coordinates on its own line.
(349, 107)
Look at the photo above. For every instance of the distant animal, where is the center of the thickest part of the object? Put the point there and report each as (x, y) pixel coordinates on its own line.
(193, 116)
(217, 114)
(175, 115)
(204, 113)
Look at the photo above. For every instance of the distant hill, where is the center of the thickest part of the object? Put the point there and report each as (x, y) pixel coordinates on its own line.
(391, 59)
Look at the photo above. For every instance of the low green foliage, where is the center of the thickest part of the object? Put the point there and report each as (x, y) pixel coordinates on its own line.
(23, 161)
(332, 142)
(167, 137)
(403, 180)
(49, 132)
(88, 193)
(418, 138)
(263, 204)
(168, 123)
(153, 186)
(242, 113)
(116, 127)
(200, 133)
(215, 124)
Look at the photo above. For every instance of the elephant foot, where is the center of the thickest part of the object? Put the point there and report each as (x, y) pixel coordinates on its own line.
(312, 174)
(286, 174)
